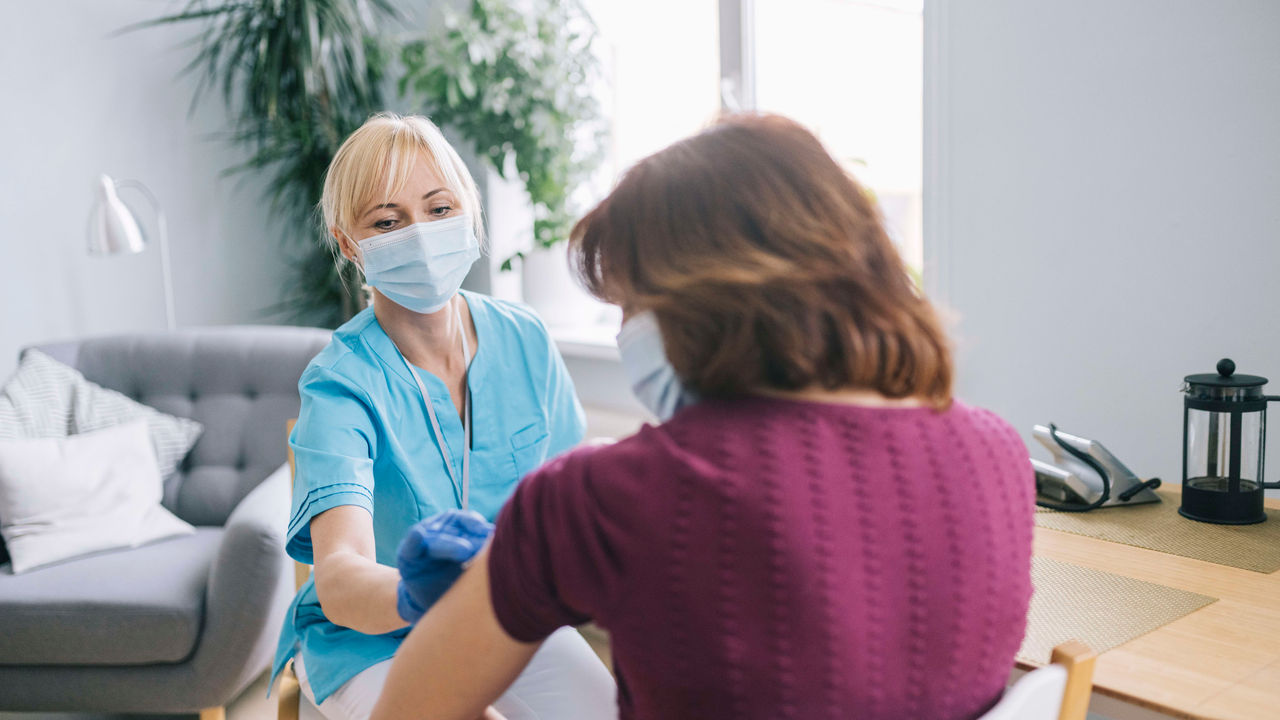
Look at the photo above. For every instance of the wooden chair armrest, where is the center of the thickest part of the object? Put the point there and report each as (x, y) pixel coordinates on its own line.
(1078, 660)
(289, 704)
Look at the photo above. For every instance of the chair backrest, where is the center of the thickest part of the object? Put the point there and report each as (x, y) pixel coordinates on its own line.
(301, 571)
(1036, 696)
(240, 382)
(1057, 691)
(289, 702)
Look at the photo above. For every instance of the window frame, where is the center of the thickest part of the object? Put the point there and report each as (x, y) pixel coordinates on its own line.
(737, 55)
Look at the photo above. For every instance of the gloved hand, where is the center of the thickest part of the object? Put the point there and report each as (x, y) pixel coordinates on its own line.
(431, 555)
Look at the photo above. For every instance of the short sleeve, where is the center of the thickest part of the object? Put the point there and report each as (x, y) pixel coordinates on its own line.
(549, 561)
(566, 421)
(333, 446)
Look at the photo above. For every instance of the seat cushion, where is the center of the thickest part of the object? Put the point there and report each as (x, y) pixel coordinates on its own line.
(128, 607)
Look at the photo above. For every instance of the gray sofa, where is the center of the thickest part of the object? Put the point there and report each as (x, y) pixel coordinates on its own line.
(185, 624)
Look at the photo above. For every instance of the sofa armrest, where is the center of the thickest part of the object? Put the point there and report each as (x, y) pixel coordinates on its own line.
(250, 586)
(264, 512)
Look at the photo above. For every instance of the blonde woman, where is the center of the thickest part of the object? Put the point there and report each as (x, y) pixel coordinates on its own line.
(430, 399)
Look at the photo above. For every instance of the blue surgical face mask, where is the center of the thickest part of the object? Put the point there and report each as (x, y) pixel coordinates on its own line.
(644, 360)
(421, 266)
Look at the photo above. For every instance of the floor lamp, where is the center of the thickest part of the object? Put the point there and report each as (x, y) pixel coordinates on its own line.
(113, 230)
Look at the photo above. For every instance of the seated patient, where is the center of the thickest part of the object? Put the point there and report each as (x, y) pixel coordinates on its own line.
(816, 529)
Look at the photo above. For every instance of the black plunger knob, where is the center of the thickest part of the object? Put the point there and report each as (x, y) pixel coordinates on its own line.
(1226, 367)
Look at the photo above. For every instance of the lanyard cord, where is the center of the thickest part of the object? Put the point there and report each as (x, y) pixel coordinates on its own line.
(461, 487)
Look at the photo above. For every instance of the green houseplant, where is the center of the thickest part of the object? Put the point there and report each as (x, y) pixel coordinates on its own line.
(516, 82)
(298, 76)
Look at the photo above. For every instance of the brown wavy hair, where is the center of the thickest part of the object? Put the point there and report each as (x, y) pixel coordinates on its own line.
(767, 265)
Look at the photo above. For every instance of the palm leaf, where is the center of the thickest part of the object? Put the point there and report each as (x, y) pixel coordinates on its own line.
(299, 76)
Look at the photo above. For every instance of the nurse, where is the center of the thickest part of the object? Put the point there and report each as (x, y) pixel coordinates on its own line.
(430, 399)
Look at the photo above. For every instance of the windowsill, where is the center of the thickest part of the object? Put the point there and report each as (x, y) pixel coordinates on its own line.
(590, 352)
(589, 342)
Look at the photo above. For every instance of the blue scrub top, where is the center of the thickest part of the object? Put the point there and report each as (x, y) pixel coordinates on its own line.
(363, 438)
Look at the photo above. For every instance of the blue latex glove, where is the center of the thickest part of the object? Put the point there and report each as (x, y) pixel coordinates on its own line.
(431, 555)
(408, 608)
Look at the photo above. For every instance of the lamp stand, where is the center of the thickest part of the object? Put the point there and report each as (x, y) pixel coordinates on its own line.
(166, 270)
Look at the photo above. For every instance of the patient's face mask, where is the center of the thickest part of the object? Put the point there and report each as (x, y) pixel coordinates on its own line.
(421, 266)
(644, 360)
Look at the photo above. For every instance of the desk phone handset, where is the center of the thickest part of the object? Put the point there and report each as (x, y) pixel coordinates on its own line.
(1084, 475)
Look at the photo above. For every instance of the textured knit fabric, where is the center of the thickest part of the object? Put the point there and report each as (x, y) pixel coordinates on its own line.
(762, 558)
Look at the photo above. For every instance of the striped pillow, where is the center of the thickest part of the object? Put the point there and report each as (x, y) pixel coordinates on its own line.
(47, 399)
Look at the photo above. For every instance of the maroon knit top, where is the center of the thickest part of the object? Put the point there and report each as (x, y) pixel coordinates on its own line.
(764, 558)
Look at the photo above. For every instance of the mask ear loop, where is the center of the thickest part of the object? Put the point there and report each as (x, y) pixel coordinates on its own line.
(358, 259)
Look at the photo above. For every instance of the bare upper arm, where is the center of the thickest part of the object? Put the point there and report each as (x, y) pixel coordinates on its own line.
(341, 539)
(346, 528)
(458, 659)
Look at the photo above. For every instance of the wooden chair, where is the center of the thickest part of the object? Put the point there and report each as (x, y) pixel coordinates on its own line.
(1057, 691)
(290, 702)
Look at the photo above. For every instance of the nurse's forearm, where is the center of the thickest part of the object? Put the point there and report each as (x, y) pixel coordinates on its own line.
(358, 593)
(458, 658)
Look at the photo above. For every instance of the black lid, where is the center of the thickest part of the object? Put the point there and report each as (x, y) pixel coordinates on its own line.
(1226, 377)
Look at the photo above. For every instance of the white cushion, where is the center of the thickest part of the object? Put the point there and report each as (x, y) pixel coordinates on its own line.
(65, 497)
(47, 399)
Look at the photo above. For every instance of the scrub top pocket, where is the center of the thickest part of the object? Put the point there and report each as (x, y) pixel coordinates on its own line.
(529, 448)
(494, 471)
(492, 467)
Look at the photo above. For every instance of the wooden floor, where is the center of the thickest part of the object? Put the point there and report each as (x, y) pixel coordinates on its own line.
(251, 705)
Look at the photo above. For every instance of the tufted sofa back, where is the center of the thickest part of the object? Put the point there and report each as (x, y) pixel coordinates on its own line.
(240, 382)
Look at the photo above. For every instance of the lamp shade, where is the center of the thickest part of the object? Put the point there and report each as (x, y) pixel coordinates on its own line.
(113, 230)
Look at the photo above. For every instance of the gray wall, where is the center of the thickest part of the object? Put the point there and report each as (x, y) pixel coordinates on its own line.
(75, 103)
(1103, 207)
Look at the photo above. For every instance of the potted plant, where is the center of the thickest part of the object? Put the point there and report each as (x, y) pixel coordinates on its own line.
(517, 81)
(302, 75)
(299, 76)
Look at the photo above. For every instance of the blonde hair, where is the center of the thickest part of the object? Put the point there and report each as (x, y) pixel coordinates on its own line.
(375, 162)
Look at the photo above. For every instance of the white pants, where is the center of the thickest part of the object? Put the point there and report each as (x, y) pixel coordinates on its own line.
(564, 681)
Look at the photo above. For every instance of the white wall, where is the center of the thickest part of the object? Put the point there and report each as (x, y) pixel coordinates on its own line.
(1103, 207)
(75, 103)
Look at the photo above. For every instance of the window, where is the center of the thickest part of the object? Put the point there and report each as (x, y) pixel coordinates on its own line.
(662, 71)
(661, 68)
(850, 70)
(853, 72)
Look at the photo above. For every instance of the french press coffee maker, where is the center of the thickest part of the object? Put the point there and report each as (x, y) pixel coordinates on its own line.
(1224, 440)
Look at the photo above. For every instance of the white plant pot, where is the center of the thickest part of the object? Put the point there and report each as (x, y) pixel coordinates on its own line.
(550, 288)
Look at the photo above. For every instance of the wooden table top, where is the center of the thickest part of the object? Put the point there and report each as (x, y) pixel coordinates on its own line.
(1221, 661)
